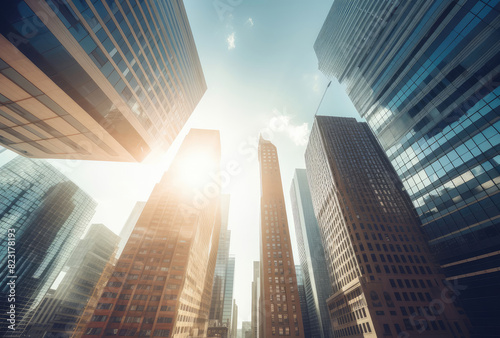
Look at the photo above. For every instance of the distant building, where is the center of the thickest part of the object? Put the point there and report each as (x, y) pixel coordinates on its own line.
(425, 74)
(303, 302)
(60, 312)
(47, 213)
(384, 279)
(162, 283)
(255, 299)
(246, 329)
(227, 311)
(316, 284)
(280, 312)
(217, 317)
(100, 80)
(234, 324)
(129, 225)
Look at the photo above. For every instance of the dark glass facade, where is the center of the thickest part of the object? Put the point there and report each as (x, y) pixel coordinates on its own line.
(385, 281)
(314, 272)
(49, 213)
(86, 272)
(425, 75)
(218, 307)
(131, 67)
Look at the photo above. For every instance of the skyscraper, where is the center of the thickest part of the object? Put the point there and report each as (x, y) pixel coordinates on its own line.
(234, 322)
(59, 313)
(425, 76)
(129, 225)
(46, 213)
(383, 277)
(227, 310)
(255, 299)
(99, 80)
(218, 293)
(280, 312)
(162, 283)
(312, 256)
(303, 302)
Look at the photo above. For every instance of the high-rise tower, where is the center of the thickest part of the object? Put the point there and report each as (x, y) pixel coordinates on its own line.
(98, 80)
(64, 309)
(162, 283)
(316, 285)
(280, 312)
(425, 75)
(218, 294)
(383, 277)
(45, 214)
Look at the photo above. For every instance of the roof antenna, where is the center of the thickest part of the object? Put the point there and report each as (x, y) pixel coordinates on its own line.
(319, 105)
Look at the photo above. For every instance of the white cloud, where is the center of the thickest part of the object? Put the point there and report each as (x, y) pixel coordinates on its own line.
(281, 122)
(230, 41)
(313, 81)
(249, 22)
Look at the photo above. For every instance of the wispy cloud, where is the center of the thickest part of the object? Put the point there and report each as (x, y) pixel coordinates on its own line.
(313, 81)
(230, 41)
(249, 22)
(281, 122)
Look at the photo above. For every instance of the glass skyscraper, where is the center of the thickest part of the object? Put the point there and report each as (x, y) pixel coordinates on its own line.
(48, 214)
(218, 304)
(425, 76)
(312, 257)
(60, 312)
(99, 80)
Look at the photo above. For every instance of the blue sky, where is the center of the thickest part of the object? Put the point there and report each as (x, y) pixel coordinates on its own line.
(261, 73)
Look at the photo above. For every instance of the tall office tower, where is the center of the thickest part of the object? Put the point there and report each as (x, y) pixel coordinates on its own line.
(218, 291)
(59, 313)
(280, 312)
(383, 277)
(255, 299)
(162, 283)
(425, 76)
(234, 322)
(312, 257)
(129, 225)
(46, 214)
(99, 80)
(303, 302)
(228, 293)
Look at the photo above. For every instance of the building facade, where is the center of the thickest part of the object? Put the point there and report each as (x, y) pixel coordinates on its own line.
(100, 80)
(280, 312)
(425, 76)
(46, 214)
(233, 333)
(59, 313)
(218, 304)
(129, 225)
(303, 302)
(162, 283)
(227, 310)
(255, 299)
(312, 257)
(384, 279)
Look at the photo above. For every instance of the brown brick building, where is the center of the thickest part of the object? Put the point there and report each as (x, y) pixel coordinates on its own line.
(280, 313)
(162, 283)
(385, 281)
